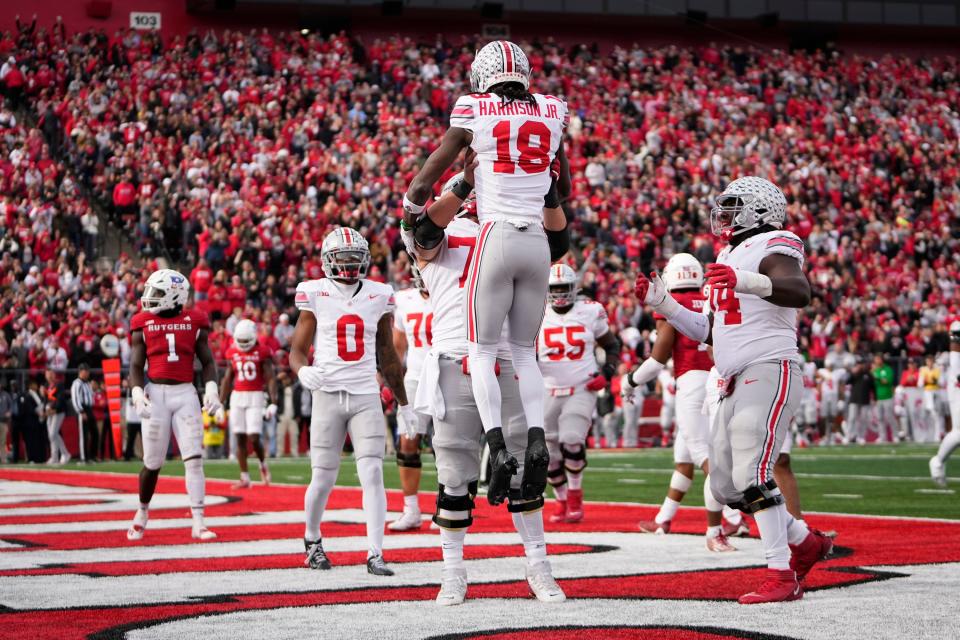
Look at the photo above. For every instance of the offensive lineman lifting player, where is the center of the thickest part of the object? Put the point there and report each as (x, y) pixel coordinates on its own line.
(756, 285)
(166, 337)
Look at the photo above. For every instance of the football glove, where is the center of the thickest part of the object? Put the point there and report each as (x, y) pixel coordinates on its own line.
(310, 378)
(211, 398)
(270, 412)
(141, 404)
(407, 421)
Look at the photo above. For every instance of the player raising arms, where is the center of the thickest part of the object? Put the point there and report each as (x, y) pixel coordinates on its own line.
(683, 277)
(756, 286)
(570, 333)
(412, 334)
(165, 337)
(349, 322)
(251, 368)
(516, 136)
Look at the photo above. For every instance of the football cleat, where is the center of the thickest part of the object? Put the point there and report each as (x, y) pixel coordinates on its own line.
(574, 505)
(200, 532)
(316, 558)
(242, 484)
(735, 530)
(814, 548)
(138, 526)
(719, 544)
(265, 474)
(542, 584)
(652, 526)
(453, 587)
(65, 458)
(535, 463)
(378, 567)
(559, 512)
(779, 585)
(407, 521)
(937, 472)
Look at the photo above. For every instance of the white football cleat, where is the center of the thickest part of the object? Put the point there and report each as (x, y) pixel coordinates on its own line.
(542, 584)
(138, 526)
(200, 532)
(937, 472)
(719, 544)
(453, 587)
(406, 522)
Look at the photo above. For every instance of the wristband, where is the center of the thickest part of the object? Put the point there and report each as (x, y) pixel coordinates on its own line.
(753, 283)
(462, 189)
(412, 207)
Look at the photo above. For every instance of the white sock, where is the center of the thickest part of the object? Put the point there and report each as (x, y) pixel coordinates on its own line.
(733, 516)
(713, 532)
(410, 504)
(486, 389)
(711, 503)
(560, 492)
(574, 477)
(315, 500)
(772, 524)
(797, 531)
(451, 542)
(529, 525)
(949, 443)
(244, 476)
(530, 381)
(667, 511)
(370, 471)
(196, 485)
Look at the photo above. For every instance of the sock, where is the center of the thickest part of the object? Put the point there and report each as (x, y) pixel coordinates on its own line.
(560, 493)
(733, 516)
(574, 468)
(410, 504)
(370, 471)
(529, 524)
(315, 500)
(196, 486)
(451, 542)
(950, 442)
(772, 524)
(713, 532)
(667, 511)
(711, 503)
(530, 381)
(797, 531)
(486, 389)
(244, 476)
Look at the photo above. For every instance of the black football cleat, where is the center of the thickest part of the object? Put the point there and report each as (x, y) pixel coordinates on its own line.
(535, 464)
(378, 567)
(503, 467)
(316, 557)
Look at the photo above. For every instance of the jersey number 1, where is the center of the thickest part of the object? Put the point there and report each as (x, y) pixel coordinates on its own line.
(172, 346)
(534, 157)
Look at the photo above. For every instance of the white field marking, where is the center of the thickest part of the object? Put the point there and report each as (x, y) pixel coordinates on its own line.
(935, 491)
(632, 554)
(900, 608)
(113, 502)
(844, 496)
(631, 481)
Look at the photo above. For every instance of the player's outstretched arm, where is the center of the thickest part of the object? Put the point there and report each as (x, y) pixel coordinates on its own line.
(420, 190)
(653, 292)
(391, 367)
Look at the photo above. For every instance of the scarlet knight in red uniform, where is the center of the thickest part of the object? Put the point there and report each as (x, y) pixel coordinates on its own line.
(166, 338)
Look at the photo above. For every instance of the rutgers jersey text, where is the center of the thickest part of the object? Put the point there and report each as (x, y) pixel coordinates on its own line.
(248, 367)
(171, 343)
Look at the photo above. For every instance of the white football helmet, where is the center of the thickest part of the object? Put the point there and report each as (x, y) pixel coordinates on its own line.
(562, 291)
(468, 206)
(683, 271)
(345, 255)
(748, 203)
(165, 290)
(497, 62)
(245, 335)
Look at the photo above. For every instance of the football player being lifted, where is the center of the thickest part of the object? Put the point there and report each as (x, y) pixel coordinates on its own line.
(348, 320)
(568, 339)
(446, 392)
(756, 287)
(516, 135)
(251, 369)
(683, 278)
(412, 335)
(165, 338)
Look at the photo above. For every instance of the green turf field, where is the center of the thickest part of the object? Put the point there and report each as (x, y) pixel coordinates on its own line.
(882, 480)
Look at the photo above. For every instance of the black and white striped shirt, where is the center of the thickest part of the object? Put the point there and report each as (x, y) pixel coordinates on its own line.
(82, 395)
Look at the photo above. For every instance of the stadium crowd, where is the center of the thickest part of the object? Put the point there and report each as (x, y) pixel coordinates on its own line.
(232, 153)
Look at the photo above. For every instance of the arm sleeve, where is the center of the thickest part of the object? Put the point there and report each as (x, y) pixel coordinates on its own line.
(464, 113)
(303, 298)
(786, 243)
(695, 326)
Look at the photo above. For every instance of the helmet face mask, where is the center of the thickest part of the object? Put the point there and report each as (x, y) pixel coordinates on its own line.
(345, 255)
(748, 203)
(562, 287)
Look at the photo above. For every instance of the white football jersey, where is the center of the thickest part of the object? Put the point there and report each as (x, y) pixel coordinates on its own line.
(832, 383)
(414, 316)
(567, 344)
(446, 279)
(746, 328)
(515, 144)
(345, 344)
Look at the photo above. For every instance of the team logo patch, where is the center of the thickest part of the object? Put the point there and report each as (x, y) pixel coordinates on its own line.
(67, 571)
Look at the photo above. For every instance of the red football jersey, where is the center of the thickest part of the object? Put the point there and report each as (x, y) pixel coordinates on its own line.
(689, 355)
(171, 342)
(248, 367)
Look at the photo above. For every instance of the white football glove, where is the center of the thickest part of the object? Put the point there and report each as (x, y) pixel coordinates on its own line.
(141, 404)
(651, 291)
(220, 416)
(211, 398)
(407, 421)
(310, 377)
(628, 392)
(270, 412)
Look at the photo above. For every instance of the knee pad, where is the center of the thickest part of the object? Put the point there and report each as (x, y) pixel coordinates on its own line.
(680, 482)
(760, 497)
(409, 460)
(518, 504)
(556, 477)
(574, 460)
(455, 512)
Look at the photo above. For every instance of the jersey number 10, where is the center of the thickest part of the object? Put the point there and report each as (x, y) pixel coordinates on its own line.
(534, 156)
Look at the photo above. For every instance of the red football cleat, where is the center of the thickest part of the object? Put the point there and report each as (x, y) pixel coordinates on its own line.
(574, 505)
(780, 585)
(652, 526)
(814, 548)
(560, 512)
